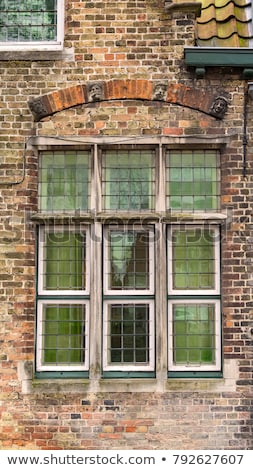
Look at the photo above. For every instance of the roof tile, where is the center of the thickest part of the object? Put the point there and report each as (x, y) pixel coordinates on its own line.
(225, 23)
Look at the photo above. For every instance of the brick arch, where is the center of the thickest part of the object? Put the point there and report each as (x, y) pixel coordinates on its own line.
(204, 100)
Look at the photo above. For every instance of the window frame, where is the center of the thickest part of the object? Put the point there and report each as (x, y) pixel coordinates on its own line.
(196, 296)
(104, 151)
(128, 297)
(106, 261)
(158, 297)
(172, 367)
(84, 366)
(61, 296)
(204, 181)
(194, 292)
(45, 199)
(56, 45)
(41, 257)
(128, 367)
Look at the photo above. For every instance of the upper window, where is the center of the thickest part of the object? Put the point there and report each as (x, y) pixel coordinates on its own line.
(128, 179)
(65, 180)
(192, 180)
(31, 24)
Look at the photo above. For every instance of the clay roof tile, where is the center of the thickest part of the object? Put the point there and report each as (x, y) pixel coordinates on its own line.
(225, 23)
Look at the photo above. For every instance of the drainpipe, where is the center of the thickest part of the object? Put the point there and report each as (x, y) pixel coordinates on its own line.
(248, 93)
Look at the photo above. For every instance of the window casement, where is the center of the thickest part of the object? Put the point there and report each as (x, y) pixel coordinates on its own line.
(193, 180)
(63, 299)
(117, 263)
(128, 179)
(194, 329)
(32, 25)
(128, 271)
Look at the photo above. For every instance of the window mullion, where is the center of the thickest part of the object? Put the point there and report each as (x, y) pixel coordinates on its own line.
(96, 190)
(95, 300)
(161, 178)
(160, 301)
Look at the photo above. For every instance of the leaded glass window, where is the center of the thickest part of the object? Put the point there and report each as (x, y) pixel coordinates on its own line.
(63, 335)
(193, 298)
(194, 335)
(128, 179)
(65, 180)
(30, 23)
(104, 259)
(129, 324)
(192, 179)
(63, 306)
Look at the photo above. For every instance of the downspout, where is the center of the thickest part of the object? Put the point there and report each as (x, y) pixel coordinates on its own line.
(245, 139)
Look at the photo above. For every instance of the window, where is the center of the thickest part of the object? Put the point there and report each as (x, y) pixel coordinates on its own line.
(111, 218)
(192, 180)
(31, 24)
(65, 180)
(63, 308)
(194, 310)
(128, 179)
(129, 322)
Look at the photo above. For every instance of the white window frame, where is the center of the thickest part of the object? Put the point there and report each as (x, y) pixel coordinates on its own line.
(56, 368)
(56, 45)
(129, 292)
(196, 367)
(128, 367)
(41, 257)
(195, 292)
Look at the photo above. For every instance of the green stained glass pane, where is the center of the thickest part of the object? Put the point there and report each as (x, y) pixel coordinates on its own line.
(175, 202)
(187, 202)
(193, 254)
(50, 342)
(65, 181)
(194, 333)
(210, 160)
(64, 261)
(176, 175)
(51, 356)
(174, 160)
(187, 174)
(187, 160)
(194, 356)
(63, 328)
(63, 341)
(199, 174)
(196, 173)
(176, 188)
(128, 180)
(181, 356)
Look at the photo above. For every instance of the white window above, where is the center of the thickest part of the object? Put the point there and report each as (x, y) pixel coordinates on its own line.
(31, 25)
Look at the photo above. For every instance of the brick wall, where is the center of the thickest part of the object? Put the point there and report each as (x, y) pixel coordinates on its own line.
(128, 421)
(129, 47)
